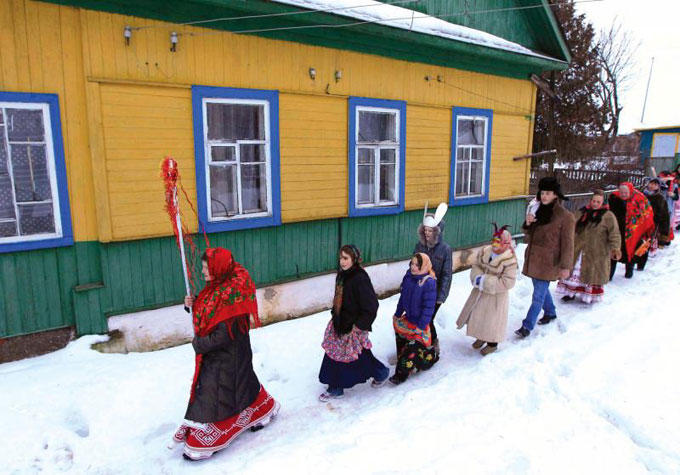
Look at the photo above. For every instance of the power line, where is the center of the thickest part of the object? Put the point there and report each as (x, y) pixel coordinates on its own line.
(521, 109)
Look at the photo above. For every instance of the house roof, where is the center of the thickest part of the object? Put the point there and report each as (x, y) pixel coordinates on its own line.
(380, 29)
(660, 127)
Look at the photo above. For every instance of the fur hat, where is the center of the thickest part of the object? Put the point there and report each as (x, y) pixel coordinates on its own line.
(550, 183)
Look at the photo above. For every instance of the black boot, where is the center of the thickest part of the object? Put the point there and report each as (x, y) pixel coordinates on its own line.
(522, 332)
(547, 319)
(567, 298)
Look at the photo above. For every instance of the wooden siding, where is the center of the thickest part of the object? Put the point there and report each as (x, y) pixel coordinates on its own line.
(41, 51)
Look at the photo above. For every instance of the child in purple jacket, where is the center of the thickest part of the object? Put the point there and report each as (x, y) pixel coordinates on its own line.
(415, 350)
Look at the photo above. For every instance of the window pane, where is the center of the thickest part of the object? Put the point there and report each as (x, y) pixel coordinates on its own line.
(388, 182)
(36, 218)
(223, 191)
(366, 182)
(388, 156)
(235, 122)
(25, 125)
(31, 178)
(471, 132)
(254, 188)
(6, 199)
(377, 126)
(462, 176)
(477, 154)
(476, 172)
(223, 154)
(252, 153)
(365, 155)
(8, 229)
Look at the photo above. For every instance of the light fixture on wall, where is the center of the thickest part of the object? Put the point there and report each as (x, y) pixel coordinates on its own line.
(312, 73)
(173, 41)
(338, 75)
(127, 33)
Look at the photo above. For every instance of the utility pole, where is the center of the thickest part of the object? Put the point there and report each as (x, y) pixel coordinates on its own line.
(649, 80)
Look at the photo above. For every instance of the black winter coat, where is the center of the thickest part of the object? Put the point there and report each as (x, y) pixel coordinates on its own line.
(442, 262)
(618, 207)
(359, 302)
(661, 215)
(227, 383)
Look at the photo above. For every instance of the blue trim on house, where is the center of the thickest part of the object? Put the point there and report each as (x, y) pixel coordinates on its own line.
(198, 93)
(385, 104)
(488, 113)
(52, 100)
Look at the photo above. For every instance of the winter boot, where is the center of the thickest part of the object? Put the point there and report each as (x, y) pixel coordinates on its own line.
(568, 298)
(489, 348)
(547, 319)
(478, 344)
(522, 332)
(397, 379)
(332, 393)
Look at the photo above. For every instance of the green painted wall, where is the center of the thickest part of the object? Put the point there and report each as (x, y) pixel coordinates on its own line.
(82, 284)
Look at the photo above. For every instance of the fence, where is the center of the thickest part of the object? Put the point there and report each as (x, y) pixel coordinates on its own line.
(582, 181)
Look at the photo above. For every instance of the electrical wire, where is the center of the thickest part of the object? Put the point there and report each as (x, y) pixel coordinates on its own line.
(521, 109)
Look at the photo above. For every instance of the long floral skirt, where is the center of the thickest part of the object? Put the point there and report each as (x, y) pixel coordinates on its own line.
(202, 440)
(574, 287)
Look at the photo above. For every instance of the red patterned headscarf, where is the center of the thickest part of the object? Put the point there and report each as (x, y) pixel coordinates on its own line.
(639, 218)
(230, 294)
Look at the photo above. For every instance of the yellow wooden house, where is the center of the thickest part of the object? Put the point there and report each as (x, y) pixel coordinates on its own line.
(298, 125)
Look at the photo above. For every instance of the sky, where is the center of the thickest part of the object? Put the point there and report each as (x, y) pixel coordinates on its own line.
(656, 25)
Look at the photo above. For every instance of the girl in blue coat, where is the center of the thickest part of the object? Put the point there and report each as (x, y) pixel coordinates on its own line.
(415, 350)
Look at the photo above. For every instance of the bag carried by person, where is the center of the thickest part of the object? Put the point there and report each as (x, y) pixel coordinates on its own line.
(409, 331)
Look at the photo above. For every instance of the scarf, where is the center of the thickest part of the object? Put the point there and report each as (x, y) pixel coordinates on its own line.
(544, 213)
(639, 218)
(228, 296)
(590, 215)
(426, 268)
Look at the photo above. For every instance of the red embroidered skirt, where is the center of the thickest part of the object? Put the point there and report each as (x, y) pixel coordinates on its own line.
(201, 442)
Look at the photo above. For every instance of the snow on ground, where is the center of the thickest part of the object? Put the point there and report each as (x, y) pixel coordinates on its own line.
(595, 392)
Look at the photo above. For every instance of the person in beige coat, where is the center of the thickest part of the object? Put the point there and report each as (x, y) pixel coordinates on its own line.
(486, 311)
(597, 241)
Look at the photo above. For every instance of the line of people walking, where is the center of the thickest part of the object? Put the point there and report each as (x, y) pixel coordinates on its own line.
(579, 250)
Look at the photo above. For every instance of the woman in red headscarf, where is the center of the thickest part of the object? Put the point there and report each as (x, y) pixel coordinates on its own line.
(636, 223)
(226, 396)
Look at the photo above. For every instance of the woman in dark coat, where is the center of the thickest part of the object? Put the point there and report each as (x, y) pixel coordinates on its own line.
(226, 396)
(348, 358)
(654, 191)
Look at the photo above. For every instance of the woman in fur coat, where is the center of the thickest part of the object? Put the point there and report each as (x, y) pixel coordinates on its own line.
(486, 311)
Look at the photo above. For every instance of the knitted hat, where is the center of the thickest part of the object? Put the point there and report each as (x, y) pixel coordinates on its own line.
(550, 183)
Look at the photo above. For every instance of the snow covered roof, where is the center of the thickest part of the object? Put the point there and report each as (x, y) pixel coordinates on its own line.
(407, 19)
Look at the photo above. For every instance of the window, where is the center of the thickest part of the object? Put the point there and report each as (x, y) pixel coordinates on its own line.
(34, 208)
(664, 145)
(470, 156)
(237, 161)
(377, 144)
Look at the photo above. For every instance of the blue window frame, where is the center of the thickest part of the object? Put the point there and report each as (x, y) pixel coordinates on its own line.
(377, 156)
(34, 201)
(470, 156)
(236, 138)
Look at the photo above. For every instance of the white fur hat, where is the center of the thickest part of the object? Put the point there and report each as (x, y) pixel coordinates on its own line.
(432, 221)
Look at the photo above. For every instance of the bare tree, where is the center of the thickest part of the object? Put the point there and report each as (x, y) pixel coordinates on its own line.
(615, 55)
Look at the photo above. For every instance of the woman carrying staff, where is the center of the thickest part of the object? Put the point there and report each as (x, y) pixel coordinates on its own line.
(226, 396)
(597, 242)
(348, 360)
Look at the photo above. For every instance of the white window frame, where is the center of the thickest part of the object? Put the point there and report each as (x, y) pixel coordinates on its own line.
(470, 147)
(236, 144)
(377, 147)
(51, 168)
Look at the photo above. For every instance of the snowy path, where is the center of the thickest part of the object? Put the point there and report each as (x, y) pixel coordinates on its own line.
(597, 392)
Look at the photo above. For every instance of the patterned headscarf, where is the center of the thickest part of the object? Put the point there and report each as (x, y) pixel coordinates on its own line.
(639, 218)
(426, 266)
(230, 294)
